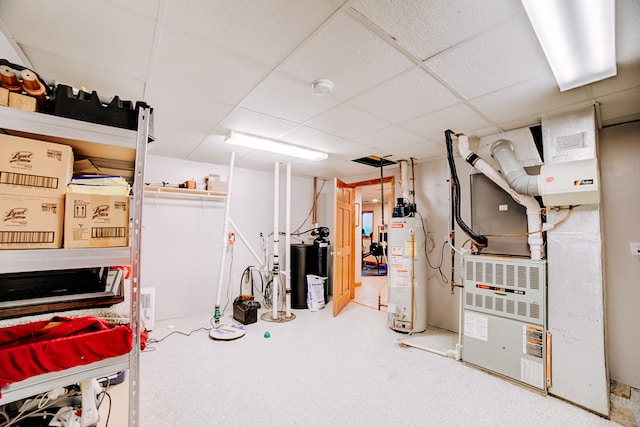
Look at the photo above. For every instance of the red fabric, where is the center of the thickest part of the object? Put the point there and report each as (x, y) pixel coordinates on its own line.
(57, 344)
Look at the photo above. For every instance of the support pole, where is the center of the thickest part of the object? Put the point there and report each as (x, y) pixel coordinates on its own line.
(287, 264)
(225, 231)
(275, 272)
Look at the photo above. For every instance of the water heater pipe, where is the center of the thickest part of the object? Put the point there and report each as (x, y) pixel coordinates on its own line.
(534, 218)
(404, 185)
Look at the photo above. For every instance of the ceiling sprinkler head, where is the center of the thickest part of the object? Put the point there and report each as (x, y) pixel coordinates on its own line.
(322, 87)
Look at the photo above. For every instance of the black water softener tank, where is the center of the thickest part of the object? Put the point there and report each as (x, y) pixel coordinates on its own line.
(321, 262)
(302, 260)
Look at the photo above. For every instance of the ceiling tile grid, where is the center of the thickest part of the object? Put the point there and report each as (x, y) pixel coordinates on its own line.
(281, 95)
(347, 53)
(192, 66)
(459, 117)
(347, 121)
(266, 31)
(86, 39)
(425, 28)
(506, 55)
(405, 96)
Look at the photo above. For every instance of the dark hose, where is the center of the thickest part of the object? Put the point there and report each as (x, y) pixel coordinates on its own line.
(480, 241)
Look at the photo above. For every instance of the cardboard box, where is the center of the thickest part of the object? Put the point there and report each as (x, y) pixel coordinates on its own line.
(31, 222)
(217, 183)
(96, 221)
(29, 167)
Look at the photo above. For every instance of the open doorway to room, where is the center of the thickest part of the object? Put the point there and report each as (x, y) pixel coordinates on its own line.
(375, 207)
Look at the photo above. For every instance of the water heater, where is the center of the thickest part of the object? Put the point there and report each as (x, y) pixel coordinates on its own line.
(407, 279)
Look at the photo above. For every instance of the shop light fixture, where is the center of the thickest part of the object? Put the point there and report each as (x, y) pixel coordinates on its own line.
(273, 146)
(578, 38)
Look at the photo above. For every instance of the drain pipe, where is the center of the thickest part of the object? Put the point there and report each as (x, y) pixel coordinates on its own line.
(534, 218)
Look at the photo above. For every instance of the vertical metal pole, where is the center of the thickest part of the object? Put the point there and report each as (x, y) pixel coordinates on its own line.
(276, 239)
(288, 245)
(144, 119)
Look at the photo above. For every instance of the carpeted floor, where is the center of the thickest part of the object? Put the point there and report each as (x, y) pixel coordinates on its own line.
(320, 370)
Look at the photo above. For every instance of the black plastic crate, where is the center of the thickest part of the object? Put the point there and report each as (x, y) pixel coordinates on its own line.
(88, 108)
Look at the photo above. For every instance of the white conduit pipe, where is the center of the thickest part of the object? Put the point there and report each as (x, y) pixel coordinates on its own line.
(534, 218)
(225, 240)
(276, 240)
(515, 175)
(287, 261)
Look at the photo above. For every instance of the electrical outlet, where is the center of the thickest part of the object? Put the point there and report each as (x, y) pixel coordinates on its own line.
(635, 248)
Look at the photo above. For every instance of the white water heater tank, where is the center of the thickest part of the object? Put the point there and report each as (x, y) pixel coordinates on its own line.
(407, 267)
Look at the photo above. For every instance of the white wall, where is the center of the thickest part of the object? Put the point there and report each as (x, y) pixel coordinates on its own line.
(182, 238)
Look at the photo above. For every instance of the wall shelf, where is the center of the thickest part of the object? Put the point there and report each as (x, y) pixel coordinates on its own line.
(173, 192)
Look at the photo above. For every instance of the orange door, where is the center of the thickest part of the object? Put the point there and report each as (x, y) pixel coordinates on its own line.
(343, 255)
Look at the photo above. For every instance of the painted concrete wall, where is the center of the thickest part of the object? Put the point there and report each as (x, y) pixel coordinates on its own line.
(182, 238)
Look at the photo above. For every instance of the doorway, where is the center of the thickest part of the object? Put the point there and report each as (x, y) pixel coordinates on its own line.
(375, 202)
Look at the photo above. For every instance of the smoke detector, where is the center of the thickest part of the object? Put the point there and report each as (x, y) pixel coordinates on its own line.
(322, 87)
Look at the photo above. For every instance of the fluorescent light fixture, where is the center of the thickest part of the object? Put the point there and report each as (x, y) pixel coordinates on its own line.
(273, 146)
(578, 38)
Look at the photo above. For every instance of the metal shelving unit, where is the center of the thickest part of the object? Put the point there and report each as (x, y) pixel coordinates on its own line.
(133, 145)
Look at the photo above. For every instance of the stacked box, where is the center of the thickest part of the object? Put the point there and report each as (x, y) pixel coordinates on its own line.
(29, 167)
(96, 221)
(31, 222)
(33, 178)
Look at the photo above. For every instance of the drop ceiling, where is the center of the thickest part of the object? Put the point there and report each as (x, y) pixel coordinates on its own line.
(404, 71)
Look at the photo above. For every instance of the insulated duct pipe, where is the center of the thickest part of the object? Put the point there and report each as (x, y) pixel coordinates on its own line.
(404, 184)
(534, 219)
(515, 175)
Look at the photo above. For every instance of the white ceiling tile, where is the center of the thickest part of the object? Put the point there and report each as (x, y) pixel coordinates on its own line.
(338, 148)
(97, 33)
(289, 98)
(389, 139)
(247, 121)
(190, 65)
(459, 118)
(421, 152)
(506, 55)
(523, 103)
(146, 8)
(349, 54)
(347, 121)
(627, 19)
(182, 107)
(425, 28)
(406, 96)
(266, 31)
(107, 84)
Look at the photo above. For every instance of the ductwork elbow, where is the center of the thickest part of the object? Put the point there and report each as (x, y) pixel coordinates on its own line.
(514, 173)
